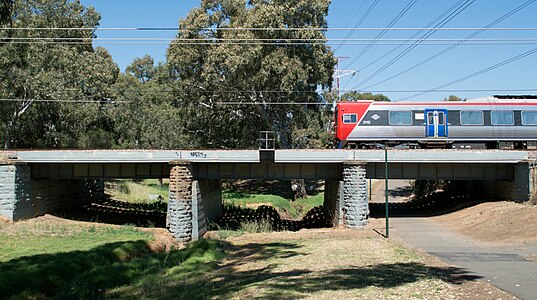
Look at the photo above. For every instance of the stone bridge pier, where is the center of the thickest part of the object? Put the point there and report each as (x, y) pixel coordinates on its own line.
(195, 201)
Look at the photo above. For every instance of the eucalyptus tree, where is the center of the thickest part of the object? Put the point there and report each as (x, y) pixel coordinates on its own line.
(144, 117)
(52, 77)
(241, 67)
(6, 9)
(355, 96)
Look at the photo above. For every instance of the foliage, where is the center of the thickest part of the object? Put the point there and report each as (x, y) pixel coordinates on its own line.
(72, 72)
(424, 188)
(6, 8)
(453, 98)
(80, 99)
(137, 192)
(146, 119)
(250, 75)
(255, 226)
(295, 209)
(355, 96)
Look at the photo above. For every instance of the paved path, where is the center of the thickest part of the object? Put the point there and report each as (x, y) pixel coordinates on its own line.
(503, 266)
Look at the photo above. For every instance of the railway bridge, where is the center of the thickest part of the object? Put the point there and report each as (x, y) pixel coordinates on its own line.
(33, 183)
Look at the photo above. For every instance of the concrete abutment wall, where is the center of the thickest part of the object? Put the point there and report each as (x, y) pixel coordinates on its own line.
(22, 197)
(521, 189)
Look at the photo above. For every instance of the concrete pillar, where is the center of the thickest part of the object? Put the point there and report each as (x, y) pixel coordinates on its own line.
(355, 199)
(521, 189)
(333, 201)
(206, 205)
(179, 218)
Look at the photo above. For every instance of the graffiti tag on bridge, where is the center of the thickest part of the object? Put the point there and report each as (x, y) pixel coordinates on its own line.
(198, 154)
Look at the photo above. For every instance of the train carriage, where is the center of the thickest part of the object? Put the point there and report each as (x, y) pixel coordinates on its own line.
(489, 122)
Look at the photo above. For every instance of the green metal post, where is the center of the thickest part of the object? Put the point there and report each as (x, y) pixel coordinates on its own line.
(386, 189)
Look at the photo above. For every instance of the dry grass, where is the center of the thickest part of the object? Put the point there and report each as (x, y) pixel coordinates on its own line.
(496, 222)
(338, 264)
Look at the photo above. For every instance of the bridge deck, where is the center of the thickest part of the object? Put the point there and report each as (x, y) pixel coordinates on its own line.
(252, 156)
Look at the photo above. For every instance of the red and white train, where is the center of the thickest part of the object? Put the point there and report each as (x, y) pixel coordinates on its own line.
(489, 122)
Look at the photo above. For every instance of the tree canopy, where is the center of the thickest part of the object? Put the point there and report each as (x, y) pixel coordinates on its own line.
(36, 77)
(355, 96)
(237, 89)
(219, 89)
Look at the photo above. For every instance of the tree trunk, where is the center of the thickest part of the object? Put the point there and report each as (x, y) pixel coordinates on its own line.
(299, 189)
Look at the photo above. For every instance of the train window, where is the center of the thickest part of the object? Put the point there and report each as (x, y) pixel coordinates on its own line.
(472, 117)
(400, 118)
(350, 118)
(529, 118)
(502, 117)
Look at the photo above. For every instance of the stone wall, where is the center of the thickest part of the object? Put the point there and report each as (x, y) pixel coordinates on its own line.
(355, 196)
(179, 217)
(23, 198)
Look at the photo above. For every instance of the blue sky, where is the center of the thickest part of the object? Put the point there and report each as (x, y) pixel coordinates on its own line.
(455, 64)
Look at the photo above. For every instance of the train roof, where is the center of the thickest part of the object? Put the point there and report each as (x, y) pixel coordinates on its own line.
(504, 98)
(485, 99)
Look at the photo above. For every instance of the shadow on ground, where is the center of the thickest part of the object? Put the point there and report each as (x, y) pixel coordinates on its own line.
(435, 204)
(197, 272)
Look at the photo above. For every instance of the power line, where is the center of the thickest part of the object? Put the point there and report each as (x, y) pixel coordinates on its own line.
(505, 62)
(440, 17)
(371, 7)
(440, 21)
(383, 32)
(458, 42)
(279, 103)
(268, 28)
(488, 26)
(260, 39)
(429, 33)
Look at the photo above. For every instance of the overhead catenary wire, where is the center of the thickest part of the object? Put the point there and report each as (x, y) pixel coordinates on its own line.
(268, 28)
(439, 22)
(382, 32)
(362, 19)
(250, 102)
(426, 35)
(438, 54)
(449, 11)
(387, 42)
(490, 68)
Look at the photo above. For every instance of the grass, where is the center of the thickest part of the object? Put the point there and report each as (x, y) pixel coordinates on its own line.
(40, 239)
(293, 209)
(113, 262)
(139, 192)
(88, 262)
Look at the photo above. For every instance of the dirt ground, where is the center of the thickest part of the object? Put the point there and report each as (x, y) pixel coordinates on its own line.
(496, 222)
(493, 222)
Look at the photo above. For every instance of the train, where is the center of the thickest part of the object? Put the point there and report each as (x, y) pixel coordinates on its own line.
(492, 122)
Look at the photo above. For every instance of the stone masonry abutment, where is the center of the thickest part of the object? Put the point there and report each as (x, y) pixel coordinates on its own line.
(22, 197)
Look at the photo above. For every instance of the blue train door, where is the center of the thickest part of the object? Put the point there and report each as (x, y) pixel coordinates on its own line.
(436, 123)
